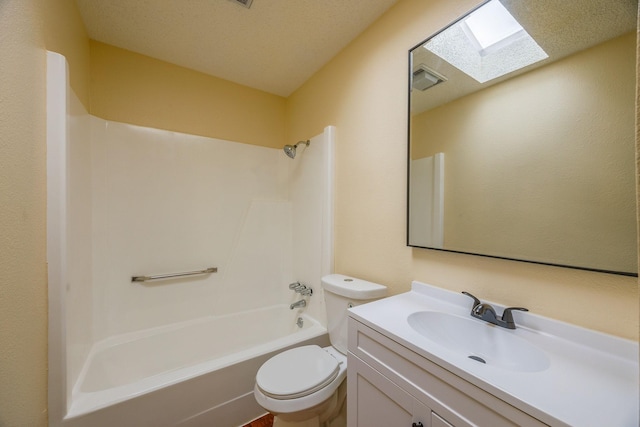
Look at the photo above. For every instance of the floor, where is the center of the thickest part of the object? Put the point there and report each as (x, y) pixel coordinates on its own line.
(266, 421)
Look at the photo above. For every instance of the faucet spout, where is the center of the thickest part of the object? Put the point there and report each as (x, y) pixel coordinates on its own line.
(301, 303)
(486, 312)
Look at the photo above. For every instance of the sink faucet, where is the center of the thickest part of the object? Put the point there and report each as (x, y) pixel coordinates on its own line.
(301, 303)
(487, 313)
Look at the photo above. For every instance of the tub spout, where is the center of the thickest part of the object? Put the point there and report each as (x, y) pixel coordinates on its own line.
(301, 303)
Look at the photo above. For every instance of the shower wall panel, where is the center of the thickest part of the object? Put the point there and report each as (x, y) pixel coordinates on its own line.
(79, 246)
(69, 243)
(312, 212)
(167, 202)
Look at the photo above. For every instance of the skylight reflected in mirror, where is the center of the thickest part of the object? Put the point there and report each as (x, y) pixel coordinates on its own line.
(491, 24)
(488, 44)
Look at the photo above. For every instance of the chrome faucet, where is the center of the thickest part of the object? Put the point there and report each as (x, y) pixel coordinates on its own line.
(295, 286)
(301, 303)
(305, 291)
(486, 312)
(301, 289)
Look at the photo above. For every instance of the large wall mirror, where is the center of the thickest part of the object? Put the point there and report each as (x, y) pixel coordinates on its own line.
(522, 134)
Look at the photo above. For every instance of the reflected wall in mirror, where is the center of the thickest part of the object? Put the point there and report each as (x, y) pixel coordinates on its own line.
(522, 143)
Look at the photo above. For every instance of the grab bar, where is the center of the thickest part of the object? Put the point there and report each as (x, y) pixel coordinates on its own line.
(170, 275)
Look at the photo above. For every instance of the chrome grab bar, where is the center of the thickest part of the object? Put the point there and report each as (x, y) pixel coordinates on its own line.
(170, 275)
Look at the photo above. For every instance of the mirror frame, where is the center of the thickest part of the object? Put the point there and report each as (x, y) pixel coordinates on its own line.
(408, 178)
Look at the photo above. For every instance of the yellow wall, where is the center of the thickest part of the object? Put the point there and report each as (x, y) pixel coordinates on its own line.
(23, 274)
(132, 88)
(555, 123)
(363, 91)
(65, 34)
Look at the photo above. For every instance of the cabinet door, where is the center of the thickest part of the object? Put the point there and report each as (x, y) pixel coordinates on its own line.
(374, 401)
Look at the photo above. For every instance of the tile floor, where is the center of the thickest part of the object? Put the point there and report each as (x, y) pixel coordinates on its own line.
(266, 421)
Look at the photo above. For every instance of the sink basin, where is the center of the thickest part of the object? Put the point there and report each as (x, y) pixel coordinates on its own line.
(481, 341)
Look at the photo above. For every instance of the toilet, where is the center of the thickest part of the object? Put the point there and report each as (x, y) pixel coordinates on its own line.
(305, 386)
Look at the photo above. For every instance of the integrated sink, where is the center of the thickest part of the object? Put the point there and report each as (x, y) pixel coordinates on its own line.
(479, 341)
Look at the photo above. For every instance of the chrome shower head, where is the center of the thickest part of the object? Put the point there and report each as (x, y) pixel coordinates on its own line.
(290, 150)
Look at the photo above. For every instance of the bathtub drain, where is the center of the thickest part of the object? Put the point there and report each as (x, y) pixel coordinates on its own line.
(300, 322)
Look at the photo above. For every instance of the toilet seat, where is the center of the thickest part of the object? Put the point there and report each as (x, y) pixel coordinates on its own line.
(297, 372)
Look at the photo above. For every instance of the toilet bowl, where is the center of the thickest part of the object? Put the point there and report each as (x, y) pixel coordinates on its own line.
(308, 389)
(305, 386)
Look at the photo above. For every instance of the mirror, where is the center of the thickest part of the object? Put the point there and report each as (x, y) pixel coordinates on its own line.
(522, 141)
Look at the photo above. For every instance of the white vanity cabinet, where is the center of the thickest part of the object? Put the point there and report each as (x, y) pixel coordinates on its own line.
(390, 385)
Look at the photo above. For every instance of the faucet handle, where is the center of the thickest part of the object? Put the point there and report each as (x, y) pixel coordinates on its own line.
(305, 291)
(294, 285)
(507, 316)
(476, 301)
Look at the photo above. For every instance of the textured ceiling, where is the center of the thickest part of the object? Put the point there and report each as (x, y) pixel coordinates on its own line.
(274, 46)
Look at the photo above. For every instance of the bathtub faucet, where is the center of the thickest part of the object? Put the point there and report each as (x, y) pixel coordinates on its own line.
(301, 303)
(294, 285)
(304, 291)
(301, 289)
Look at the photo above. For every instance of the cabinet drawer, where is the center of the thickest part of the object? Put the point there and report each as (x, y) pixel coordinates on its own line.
(453, 398)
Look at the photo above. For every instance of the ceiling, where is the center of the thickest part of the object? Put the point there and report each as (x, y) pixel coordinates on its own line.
(274, 46)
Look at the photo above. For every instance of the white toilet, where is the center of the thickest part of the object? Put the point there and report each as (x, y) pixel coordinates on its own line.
(305, 386)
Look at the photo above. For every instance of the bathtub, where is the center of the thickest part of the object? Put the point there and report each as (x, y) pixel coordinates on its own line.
(191, 374)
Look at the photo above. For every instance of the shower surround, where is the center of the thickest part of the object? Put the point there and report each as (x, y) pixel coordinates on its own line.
(127, 201)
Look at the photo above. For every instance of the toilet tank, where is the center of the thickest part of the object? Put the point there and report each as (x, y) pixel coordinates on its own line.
(340, 294)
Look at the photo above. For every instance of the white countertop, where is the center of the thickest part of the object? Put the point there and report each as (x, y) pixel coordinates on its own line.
(592, 378)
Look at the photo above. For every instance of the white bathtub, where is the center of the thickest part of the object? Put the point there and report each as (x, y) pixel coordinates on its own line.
(196, 373)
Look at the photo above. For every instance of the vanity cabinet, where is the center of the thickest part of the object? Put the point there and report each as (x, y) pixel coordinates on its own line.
(391, 385)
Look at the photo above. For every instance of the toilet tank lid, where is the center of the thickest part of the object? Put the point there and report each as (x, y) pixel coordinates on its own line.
(351, 287)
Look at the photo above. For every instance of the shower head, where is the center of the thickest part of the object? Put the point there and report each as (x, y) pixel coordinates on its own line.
(290, 150)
